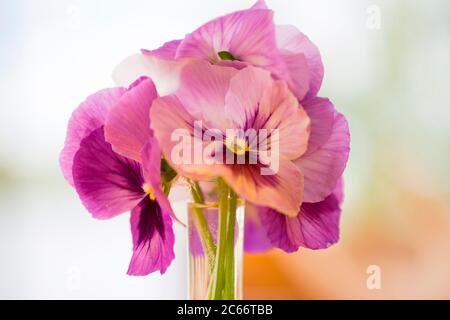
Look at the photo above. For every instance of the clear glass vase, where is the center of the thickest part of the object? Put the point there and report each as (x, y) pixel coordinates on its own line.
(215, 247)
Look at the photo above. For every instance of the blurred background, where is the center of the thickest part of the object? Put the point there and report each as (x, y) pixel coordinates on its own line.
(386, 68)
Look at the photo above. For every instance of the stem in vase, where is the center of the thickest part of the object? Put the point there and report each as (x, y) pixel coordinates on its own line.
(202, 225)
(222, 285)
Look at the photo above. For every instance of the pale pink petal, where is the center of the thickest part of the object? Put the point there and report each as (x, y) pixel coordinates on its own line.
(246, 90)
(260, 4)
(128, 123)
(323, 167)
(321, 112)
(164, 73)
(299, 79)
(202, 90)
(291, 41)
(255, 101)
(90, 115)
(166, 51)
(172, 124)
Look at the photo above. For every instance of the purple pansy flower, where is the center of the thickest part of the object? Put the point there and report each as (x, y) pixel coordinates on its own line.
(315, 227)
(111, 179)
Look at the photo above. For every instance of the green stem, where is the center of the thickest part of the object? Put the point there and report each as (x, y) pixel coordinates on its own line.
(202, 225)
(217, 281)
(222, 282)
(229, 266)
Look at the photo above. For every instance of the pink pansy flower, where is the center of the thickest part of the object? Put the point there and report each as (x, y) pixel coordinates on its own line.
(322, 166)
(111, 179)
(226, 98)
(247, 37)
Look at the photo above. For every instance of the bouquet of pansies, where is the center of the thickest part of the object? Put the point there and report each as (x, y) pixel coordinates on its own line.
(230, 112)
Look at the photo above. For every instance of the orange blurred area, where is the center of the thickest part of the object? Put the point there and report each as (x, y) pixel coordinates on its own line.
(407, 236)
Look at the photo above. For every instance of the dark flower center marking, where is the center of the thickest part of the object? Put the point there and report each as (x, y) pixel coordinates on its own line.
(151, 220)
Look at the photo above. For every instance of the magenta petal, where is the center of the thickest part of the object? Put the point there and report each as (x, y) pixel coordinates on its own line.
(249, 36)
(107, 183)
(292, 42)
(90, 115)
(323, 167)
(255, 236)
(167, 51)
(151, 161)
(128, 123)
(315, 227)
(153, 239)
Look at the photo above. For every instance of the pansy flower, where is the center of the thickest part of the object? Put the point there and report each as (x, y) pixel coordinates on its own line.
(246, 37)
(322, 166)
(113, 161)
(226, 98)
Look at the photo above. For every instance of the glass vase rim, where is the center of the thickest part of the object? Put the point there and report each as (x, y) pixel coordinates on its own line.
(211, 204)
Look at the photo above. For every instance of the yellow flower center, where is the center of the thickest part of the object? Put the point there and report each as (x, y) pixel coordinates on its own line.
(149, 191)
(237, 145)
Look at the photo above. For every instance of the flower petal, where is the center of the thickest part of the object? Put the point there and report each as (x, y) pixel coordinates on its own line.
(151, 161)
(173, 126)
(299, 73)
(321, 112)
(260, 4)
(292, 42)
(323, 167)
(167, 51)
(164, 73)
(282, 191)
(90, 115)
(128, 123)
(255, 236)
(315, 227)
(153, 239)
(255, 101)
(107, 183)
(202, 90)
(248, 35)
